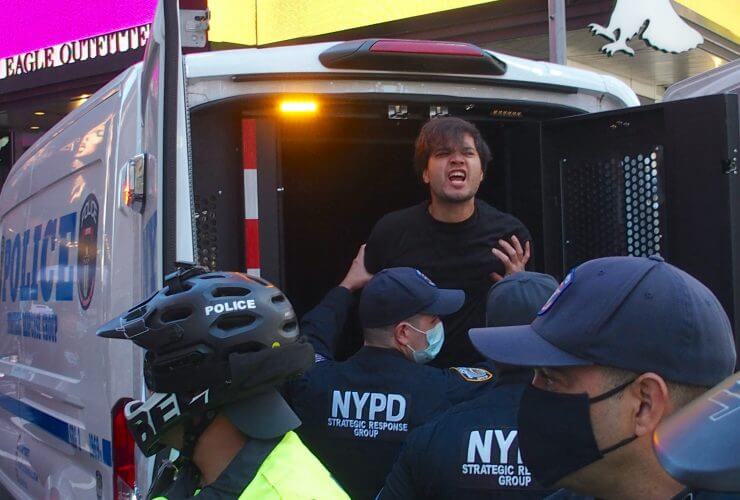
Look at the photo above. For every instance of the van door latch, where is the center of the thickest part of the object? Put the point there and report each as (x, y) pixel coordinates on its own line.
(134, 183)
(398, 112)
(193, 27)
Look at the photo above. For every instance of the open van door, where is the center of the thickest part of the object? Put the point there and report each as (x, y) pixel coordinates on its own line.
(652, 179)
(161, 174)
(165, 145)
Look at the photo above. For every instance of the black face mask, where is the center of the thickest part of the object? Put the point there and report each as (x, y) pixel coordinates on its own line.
(555, 433)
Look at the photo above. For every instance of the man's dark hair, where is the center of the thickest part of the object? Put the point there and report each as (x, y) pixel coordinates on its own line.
(444, 132)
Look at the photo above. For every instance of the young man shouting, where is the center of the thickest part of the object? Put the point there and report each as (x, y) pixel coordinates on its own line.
(459, 241)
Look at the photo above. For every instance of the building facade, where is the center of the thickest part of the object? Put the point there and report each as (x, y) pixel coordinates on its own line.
(55, 53)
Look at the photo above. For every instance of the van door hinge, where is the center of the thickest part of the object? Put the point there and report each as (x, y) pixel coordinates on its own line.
(730, 166)
(193, 27)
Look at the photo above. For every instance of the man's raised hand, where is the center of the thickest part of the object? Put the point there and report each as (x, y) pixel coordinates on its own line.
(357, 276)
(512, 256)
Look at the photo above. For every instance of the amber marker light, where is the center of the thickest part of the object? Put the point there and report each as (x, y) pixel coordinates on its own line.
(294, 106)
(127, 195)
(39, 113)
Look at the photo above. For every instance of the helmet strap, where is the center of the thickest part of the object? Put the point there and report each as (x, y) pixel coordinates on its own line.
(194, 427)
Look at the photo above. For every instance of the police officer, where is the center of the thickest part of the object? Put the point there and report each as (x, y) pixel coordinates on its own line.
(623, 344)
(216, 345)
(357, 413)
(472, 450)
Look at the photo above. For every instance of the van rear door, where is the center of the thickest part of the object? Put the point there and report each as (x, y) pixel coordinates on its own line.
(166, 142)
(657, 179)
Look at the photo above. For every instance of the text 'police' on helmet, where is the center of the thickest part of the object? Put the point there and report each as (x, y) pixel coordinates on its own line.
(234, 305)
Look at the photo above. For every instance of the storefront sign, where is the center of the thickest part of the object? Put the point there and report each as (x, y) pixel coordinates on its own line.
(75, 51)
(262, 22)
(656, 23)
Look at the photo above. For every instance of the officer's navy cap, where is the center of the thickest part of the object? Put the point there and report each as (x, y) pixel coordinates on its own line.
(398, 293)
(516, 299)
(634, 313)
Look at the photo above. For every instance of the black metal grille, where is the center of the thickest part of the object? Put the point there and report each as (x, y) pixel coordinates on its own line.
(612, 206)
(206, 230)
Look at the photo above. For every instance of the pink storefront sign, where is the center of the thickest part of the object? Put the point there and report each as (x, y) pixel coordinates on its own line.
(39, 24)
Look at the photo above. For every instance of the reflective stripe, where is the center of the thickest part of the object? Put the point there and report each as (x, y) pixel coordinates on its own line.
(64, 431)
(292, 471)
(251, 197)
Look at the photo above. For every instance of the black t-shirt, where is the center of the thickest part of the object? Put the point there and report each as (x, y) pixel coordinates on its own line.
(453, 255)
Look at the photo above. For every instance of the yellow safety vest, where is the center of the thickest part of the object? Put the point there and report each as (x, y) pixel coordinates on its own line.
(291, 472)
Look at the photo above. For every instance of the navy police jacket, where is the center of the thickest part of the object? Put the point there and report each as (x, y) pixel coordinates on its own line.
(471, 451)
(357, 413)
(686, 494)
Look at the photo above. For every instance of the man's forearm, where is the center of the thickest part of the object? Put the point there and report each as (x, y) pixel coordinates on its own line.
(322, 325)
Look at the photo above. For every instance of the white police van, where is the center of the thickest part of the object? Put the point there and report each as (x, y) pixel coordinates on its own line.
(276, 161)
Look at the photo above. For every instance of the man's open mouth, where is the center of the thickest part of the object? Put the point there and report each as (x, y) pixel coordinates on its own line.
(457, 177)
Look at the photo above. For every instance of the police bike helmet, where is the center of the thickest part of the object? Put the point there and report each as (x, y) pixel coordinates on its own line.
(215, 342)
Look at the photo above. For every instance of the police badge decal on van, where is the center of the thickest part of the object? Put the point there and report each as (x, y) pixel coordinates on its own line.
(87, 250)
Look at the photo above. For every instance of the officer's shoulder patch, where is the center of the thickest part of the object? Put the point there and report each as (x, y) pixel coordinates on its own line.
(473, 374)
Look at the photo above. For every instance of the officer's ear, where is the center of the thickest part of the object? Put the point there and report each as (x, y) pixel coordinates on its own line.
(401, 332)
(651, 402)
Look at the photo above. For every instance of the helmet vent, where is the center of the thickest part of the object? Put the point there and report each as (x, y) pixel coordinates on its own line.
(185, 287)
(231, 291)
(278, 299)
(290, 326)
(175, 314)
(134, 314)
(259, 280)
(138, 307)
(211, 276)
(231, 322)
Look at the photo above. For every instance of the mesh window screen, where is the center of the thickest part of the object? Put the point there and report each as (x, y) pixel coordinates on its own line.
(206, 229)
(612, 206)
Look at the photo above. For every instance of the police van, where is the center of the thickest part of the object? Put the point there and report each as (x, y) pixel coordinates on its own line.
(278, 161)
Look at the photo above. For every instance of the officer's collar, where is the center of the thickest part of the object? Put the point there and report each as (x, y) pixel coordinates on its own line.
(686, 494)
(387, 351)
(244, 466)
(514, 376)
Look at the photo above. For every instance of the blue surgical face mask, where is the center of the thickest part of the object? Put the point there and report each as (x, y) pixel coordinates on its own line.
(435, 339)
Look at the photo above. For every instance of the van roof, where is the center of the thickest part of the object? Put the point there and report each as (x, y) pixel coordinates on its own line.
(295, 60)
(298, 60)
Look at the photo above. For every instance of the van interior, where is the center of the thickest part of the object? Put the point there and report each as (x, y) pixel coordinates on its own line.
(327, 176)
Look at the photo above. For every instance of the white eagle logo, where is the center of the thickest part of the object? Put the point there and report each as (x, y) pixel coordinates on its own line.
(655, 20)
